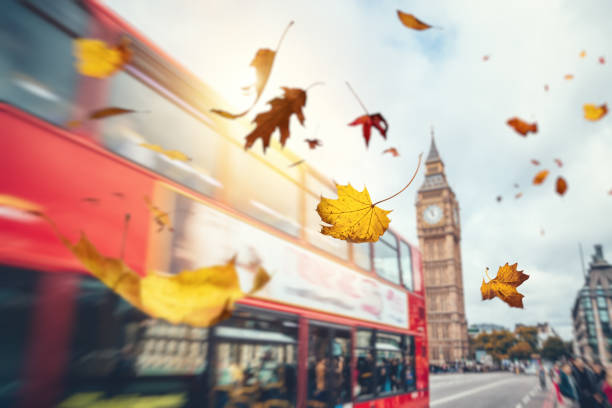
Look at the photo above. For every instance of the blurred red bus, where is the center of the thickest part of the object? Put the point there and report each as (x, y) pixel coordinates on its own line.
(339, 324)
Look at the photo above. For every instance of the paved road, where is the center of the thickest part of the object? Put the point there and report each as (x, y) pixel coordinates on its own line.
(485, 390)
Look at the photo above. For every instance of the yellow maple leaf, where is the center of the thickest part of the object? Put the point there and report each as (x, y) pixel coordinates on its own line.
(593, 112)
(21, 204)
(504, 285)
(96, 59)
(353, 217)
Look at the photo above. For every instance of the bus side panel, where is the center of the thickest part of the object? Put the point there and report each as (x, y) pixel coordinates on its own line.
(422, 365)
(79, 187)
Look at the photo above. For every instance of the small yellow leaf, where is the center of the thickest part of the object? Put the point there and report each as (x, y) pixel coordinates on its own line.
(173, 154)
(504, 285)
(593, 112)
(569, 77)
(96, 59)
(20, 204)
(540, 177)
(352, 216)
(582, 54)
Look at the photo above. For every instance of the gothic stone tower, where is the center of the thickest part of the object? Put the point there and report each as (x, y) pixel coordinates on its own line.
(439, 234)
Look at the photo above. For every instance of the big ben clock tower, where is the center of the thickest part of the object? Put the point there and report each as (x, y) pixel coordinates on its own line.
(439, 232)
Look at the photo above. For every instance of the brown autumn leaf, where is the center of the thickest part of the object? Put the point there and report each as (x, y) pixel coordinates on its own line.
(161, 218)
(593, 112)
(561, 185)
(485, 58)
(110, 111)
(71, 124)
(297, 163)
(559, 162)
(262, 62)
(391, 150)
(410, 21)
(522, 127)
(281, 109)
(568, 77)
(313, 143)
(518, 195)
(540, 177)
(535, 162)
(504, 285)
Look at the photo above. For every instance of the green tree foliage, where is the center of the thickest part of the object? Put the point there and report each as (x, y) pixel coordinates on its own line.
(520, 351)
(553, 348)
(528, 334)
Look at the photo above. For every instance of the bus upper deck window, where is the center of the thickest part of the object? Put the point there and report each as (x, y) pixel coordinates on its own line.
(386, 258)
(406, 265)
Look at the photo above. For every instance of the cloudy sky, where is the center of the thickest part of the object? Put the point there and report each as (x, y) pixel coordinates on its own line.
(437, 78)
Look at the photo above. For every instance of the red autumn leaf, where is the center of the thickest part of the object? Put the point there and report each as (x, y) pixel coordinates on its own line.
(313, 143)
(535, 162)
(559, 162)
(522, 127)
(540, 177)
(561, 186)
(392, 150)
(377, 120)
(518, 195)
(602, 60)
(278, 116)
(485, 58)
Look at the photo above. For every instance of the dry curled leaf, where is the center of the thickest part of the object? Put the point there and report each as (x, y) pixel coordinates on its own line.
(367, 121)
(410, 21)
(518, 195)
(281, 109)
(391, 150)
(97, 59)
(313, 143)
(568, 77)
(297, 163)
(558, 162)
(561, 186)
(540, 177)
(522, 127)
(504, 285)
(593, 112)
(485, 58)
(161, 218)
(535, 162)
(172, 154)
(262, 62)
(110, 111)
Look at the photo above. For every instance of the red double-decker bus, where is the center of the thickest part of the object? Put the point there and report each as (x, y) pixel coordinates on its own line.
(339, 324)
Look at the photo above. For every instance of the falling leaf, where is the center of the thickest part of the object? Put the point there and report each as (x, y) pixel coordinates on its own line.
(97, 59)
(281, 109)
(582, 54)
(71, 124)
(546, 87)
(522, 127)
(262, 62)
(20, 204)
(173, 154)
(518, 195)
(559, 162)
(110, 111)
(504, 285)
(610, 192)
(516, 185)
(297, 163)
(161, 218)
(561, 186)
(352, 216)
(411, 21)
(391, 150)
(91, 200)
(376, 120)
(540, 177)
(485, 58)
(313, 143)
(535, 162)
(602, 60)
(499, 198)
(593, 112)
(568, 77)
(200, 297)
(542, 231)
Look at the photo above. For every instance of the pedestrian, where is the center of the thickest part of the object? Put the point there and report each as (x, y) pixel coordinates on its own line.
(542, 375)
(607, 389)
(585, 384)
(567, 386)
(555, 379)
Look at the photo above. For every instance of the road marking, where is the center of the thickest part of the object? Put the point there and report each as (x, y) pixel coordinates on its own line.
(468, 392)
(519, 405)
(526, 399)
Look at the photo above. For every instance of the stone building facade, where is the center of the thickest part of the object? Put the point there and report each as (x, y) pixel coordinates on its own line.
(439, 232)
(591, 312)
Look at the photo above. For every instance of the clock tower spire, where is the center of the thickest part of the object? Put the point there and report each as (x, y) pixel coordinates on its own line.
(439, 233)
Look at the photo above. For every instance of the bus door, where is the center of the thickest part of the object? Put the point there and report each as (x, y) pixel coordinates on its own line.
(329, 365)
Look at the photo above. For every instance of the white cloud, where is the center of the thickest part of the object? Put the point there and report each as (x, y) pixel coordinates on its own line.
(437, 77)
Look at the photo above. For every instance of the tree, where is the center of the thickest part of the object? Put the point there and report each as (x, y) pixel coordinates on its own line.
(496, 343)
(553, 348)
(521, 350)
(528, 334)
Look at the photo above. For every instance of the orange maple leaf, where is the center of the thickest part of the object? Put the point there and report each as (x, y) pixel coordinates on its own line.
(540, 177)
(522, 127)
(410, 21)
(278, 116)
(392, 150)
(504, 285)
(313, 143)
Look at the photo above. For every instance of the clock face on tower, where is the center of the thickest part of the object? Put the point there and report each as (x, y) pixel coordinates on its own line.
(432, 214)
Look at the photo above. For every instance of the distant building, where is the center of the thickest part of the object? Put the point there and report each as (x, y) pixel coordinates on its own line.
(591, 312)
(545, 331)
(476, 329)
